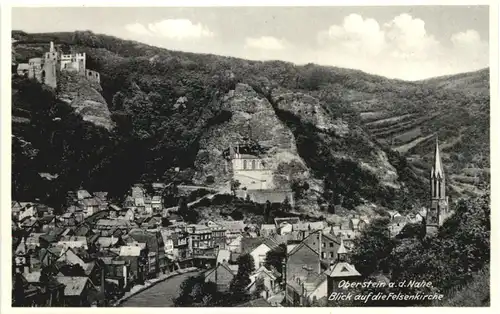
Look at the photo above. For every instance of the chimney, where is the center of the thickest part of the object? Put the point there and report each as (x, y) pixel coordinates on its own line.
(51, 46)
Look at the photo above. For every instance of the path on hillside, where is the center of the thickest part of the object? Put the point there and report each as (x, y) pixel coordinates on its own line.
(208, 196)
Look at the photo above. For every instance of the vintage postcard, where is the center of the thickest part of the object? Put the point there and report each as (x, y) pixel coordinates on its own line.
(248, 156)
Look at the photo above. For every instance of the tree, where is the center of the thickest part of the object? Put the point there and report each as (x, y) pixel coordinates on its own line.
(18, 290)
(235, 184)
(267, 211)
(275, 258)
(285, 206)
(196, 292)
(373, 247)
(241, 280)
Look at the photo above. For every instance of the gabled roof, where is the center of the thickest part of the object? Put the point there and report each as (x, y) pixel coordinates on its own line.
(290, 220)
(130, 250)
(267, 227)
(233, 225)
(223, 255)
(343, 269)
(74, 286)
(23, 66)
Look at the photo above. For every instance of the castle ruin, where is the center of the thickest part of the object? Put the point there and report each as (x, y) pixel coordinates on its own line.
(46, 69)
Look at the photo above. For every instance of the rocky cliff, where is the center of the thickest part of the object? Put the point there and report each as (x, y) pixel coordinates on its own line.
(85, 97)
(252, 119)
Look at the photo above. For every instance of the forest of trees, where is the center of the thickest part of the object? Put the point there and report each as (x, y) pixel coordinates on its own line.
(449, 260)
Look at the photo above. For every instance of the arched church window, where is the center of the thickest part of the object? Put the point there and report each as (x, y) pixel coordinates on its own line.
(244, 164)
(439, 188)
(254, 165)
(435, 188)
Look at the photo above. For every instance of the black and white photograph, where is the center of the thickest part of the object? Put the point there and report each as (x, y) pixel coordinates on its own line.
(249, 156)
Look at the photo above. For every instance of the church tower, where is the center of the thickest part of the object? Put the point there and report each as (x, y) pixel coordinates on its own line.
(438, 210)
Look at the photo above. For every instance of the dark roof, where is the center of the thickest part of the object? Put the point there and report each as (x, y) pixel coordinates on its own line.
(249, 244)
(290, 220)
(46, 219)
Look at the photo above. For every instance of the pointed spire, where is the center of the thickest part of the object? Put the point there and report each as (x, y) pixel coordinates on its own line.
(342, 249)
(437, 170)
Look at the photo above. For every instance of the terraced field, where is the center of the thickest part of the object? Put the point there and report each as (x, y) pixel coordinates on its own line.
(453, 108)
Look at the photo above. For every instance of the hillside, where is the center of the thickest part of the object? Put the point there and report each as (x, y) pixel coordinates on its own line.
(355, 138)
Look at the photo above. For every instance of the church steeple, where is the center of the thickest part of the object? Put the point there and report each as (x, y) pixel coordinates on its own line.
(437, 169)
(438, 210)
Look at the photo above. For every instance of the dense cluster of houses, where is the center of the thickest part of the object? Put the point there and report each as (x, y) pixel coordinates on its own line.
(95, 251)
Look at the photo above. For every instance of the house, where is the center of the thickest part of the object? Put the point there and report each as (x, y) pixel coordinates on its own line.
(397, 224)
(223, 256)
(268, 279)
(326, 244)
(285, 228)
(157, 203)
(29, 294)
(44, 210)
(157, 261)
(181, 245)
(340, 270)
(23, 69)
(137, 191)
(221, 275)
(135, 269)
(33, 241)
(169, 242)
(129, 202)
(48, 222)
(116, 273)
(92, 267)
(267, 229)
(78, 291)
(73, 242)
(68, 219)
(82, 194)
(302, 265)
(218, 235)
(16, 208)
(31, 224)
(148, 207)
(235, 244)
(233, 228)
(290, 220)
(136, 255)
(109, 242)
(51, 291)
(27, 211)
(200, 239)
(108, 224)
(90, 206)
(257, 248)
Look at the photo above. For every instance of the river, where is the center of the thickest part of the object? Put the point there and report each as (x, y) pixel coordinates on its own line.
(160, 295)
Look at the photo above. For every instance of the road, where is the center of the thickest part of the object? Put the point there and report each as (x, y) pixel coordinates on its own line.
(160, 295)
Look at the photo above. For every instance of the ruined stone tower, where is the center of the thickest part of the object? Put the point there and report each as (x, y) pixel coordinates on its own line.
(50, 67)
(438, 210)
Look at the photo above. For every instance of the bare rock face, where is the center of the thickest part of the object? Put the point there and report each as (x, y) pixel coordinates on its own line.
(309, 110)
(253, 118)
(84, 96)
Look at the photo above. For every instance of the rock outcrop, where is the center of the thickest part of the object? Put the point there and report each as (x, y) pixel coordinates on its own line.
(253, 118)
(85, 97)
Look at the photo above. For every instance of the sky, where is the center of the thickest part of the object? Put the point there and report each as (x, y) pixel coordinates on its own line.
(404, 42)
